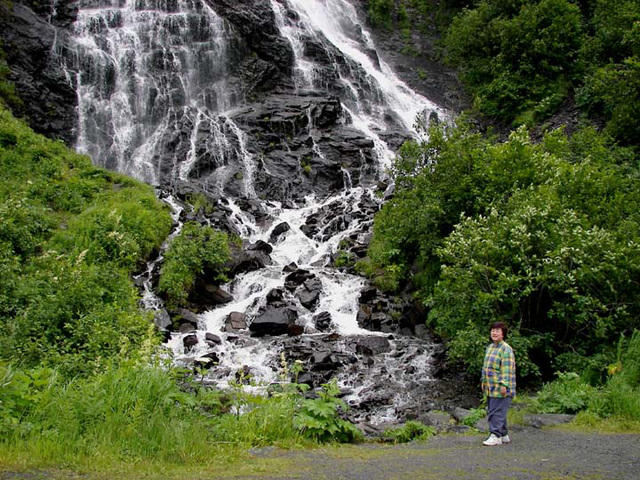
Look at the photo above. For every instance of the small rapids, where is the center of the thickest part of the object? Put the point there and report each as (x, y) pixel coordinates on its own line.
(165, 92)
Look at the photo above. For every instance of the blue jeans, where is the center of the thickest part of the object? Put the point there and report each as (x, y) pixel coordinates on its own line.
(497, 408)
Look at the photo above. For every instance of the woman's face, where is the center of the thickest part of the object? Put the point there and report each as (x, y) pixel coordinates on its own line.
(496, 335)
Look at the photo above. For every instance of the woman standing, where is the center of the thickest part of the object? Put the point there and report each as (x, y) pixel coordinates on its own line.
(498, 383)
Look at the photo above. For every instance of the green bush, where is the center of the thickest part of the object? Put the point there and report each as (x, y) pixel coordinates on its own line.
(409, 432)
(618, 398)
(516, 56)
(568, 394)
(71, 235)
(319, 418)
(543, 236)
(196, 250)
(380, 11)
(129, 412)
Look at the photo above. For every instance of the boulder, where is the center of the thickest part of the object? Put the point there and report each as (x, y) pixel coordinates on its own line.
(189, 341)
(297, 278)
(322, 321)
(372, 345)
(207, 361)
(277, 231)
(212, 340)
(261, 246)
(217, 295)
(274, 321)
(235, 321)
(162, 320)
(309, 292)
(275, 297)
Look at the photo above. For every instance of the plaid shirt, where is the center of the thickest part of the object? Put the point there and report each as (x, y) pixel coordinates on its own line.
(498, 369)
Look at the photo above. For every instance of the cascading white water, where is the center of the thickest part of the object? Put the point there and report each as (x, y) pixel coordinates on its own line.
(337, 21)
(144, 67)
(152, 72)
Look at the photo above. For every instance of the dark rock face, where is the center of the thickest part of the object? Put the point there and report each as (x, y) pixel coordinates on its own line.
(34, 42)
(274, 320)
(236, 321)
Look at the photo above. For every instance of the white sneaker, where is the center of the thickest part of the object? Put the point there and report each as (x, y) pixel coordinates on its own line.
(506, 439)
(492, 440)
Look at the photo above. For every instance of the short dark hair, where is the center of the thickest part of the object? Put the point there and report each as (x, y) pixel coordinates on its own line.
(502, 326)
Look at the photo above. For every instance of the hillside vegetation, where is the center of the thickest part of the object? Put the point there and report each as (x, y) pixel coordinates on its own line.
(82, 376)
(543, 234)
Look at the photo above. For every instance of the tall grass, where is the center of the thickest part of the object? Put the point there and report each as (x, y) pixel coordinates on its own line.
(136, 414)
(618, 399)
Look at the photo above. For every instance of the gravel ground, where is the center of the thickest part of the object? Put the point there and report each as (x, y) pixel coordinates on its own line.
(537, 454)
(552, 454)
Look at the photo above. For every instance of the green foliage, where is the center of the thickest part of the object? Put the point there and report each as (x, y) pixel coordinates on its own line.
(475, 415)
(380, 11)
(613, 91)
(8, 96)
(70, 236)
(319, 418)
(344, 259)
(409, 432)
(196, 250)
(516, 56)
(543, 236)
(618, 398)
(567, 394)
(132, 412)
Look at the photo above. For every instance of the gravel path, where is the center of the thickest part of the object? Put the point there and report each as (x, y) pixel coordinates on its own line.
(552, 454)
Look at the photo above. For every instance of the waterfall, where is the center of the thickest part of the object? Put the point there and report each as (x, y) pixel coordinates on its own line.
(171, 92)
(148, 71)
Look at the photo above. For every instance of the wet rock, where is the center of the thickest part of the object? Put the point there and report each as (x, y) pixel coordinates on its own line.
(235, 321)
(217, 295)
(212, 339)
(182, 316)
(207, 361)
(186, 327)
(309, 292)
(189, 341)
(275, 297)
(162, 320)
(261, 246)
(372, 345)
(322, 321)
(324, 361)
(297, 278)
(31, 36)
(246, 260)
(367, 295)
(292, 267)
(273, 321)
(277, 231)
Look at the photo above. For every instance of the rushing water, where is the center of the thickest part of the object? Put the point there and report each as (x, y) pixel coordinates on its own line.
(149, 70)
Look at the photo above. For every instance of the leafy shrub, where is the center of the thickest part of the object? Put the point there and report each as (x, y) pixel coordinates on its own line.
(614, 92)
(129, 412)
(70, 236)
(475, 415)
(193, 251)
(380, 11)
(567, 394)
(516, 56)
(408, 432)
(543, 236)
(319, 418)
